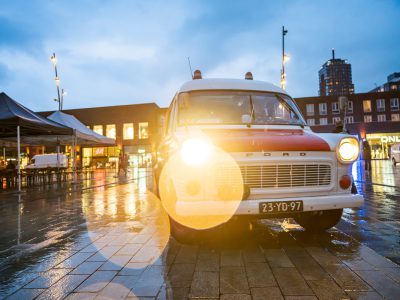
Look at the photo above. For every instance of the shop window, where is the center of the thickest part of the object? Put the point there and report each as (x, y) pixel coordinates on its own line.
(380, 104)
(335, 107)
(323, 110)
(367, 105)
(394, 104)
(143, 130)
(128, 132)
(311, 122)
(396, 117)
(323, 121)
(98, 129)
(367, 119)
(349, 119)
(110, 131)
(381, 118)
(350, 107)
(310, 109)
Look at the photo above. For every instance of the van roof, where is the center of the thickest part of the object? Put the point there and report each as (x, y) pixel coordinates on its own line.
(229, 84)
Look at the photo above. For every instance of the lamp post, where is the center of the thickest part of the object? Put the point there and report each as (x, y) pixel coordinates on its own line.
(54, 61)
(284, 59)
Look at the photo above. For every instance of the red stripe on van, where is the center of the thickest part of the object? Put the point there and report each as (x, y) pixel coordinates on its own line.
(254, 140)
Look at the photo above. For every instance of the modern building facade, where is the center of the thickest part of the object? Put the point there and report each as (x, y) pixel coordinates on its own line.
(392, 84)
(136, 128)
(371, 116)
(335, 77)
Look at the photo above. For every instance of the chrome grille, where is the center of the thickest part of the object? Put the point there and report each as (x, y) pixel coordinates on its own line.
(278, 176)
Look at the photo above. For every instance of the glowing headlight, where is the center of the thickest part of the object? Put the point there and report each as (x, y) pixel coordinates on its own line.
(195, 152)
(348, 150)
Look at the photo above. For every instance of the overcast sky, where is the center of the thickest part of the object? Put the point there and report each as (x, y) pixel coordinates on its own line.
(123, 52)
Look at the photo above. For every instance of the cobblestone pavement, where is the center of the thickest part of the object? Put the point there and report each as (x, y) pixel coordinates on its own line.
(114, 243)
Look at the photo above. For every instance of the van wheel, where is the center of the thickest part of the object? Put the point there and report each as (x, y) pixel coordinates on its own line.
(394, 161)
(183, 234)
(319, 220)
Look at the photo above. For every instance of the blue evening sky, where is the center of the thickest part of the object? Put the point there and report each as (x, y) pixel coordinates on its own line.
(122, 52)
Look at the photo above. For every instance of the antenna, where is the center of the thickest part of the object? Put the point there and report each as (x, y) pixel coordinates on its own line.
(190, 68)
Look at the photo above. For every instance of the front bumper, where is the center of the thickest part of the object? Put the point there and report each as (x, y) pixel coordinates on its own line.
(251, 207)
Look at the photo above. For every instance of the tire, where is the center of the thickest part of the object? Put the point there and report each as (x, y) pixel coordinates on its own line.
(394, 161)
(183, 234)
(317, 221)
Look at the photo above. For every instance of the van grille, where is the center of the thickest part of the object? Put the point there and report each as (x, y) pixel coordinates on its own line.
(278, 176)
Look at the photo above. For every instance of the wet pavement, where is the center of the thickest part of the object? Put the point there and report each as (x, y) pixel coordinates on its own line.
(113, 242)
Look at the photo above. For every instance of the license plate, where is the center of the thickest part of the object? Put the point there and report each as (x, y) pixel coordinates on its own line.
(281, 206)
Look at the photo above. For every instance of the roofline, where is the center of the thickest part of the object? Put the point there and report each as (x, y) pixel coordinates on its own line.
(110, 106)
(348, 95)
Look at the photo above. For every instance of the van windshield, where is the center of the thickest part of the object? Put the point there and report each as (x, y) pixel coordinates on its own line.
(233, 107)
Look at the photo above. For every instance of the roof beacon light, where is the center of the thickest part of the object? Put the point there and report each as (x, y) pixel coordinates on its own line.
(197, 75)
(248, 76)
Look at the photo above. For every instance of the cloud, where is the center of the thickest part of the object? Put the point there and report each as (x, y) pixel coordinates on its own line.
(136, 51)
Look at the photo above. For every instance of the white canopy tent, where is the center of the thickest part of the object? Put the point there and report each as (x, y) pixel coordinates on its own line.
(84, 135)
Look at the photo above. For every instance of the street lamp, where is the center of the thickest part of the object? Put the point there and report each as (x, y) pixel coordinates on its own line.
(54, 61)
(285, 58)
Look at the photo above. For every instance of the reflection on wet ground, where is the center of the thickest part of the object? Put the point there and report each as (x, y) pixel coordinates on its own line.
(113, 242)
(377, 223)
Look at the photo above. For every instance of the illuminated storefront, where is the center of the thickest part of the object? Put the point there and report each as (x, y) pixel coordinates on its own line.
(138, 156)
(381, 143)
(100, 157)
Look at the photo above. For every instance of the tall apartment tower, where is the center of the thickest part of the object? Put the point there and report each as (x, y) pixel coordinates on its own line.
(335, 77)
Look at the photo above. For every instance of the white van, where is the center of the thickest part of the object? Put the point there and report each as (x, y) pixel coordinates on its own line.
(395, 153)
(241, 148)
(44, 161)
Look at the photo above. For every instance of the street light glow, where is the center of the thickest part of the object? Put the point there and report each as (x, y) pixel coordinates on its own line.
(53, 59)
(286, 58)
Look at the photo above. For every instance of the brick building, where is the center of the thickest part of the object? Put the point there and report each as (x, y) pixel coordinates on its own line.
(371, 116)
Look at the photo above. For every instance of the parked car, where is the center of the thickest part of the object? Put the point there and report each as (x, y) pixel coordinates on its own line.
(395, 153)
(237, 150)
(44, 161)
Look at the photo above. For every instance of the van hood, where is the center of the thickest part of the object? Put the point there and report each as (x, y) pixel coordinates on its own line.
(255, 140)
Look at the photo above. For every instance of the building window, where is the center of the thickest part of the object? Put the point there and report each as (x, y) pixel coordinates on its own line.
(143, 130)
(367, 119)
(381, 118)
(349, 120)
(367, 105)
(128, 131)
(323, 109)
(350, 107)
(110, 131)
(311, 122)
(395, 117)
(323, 121)
(335, 120)
(394, 104)
(98, 129)
(310, 109)
(380, 104)
(335, 107)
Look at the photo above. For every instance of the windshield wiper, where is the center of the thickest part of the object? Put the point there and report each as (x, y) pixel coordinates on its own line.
(251, 113)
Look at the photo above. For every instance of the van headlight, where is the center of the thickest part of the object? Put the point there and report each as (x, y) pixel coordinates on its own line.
(195, 151)
(348, 150)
